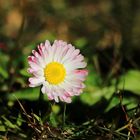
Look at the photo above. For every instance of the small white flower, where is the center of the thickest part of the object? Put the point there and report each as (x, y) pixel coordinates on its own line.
(58, 69)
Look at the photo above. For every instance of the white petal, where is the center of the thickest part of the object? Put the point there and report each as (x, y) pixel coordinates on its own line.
(36, 81)
(73, 66)
(39, 73)
(56, 99)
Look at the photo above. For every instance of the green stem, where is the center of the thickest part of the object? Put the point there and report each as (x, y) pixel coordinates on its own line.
(64, 114)
(41, 97)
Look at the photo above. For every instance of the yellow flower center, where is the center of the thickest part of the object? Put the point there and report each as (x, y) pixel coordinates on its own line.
(54, 73)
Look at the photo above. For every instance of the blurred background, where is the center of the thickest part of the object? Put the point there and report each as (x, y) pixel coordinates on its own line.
(106, 31)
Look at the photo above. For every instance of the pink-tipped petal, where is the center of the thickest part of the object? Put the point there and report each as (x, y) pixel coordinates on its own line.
(66, 99)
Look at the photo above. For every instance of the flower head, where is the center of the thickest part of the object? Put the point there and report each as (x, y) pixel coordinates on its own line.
(58, 68)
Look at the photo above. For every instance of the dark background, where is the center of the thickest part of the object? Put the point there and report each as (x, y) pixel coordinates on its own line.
(108, 34)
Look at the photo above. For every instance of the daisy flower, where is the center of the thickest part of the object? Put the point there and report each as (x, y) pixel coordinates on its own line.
(58, 68)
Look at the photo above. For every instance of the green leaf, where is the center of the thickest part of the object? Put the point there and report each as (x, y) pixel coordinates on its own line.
(24, 72)
(81, 42)
(28, 94)
(4, 73)
(36, 117)
(94, 95)
(130, 81)
(93, 79)
(9, 124)
(53, 119)
(128, 102)
(19, 120)
(2, 128)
